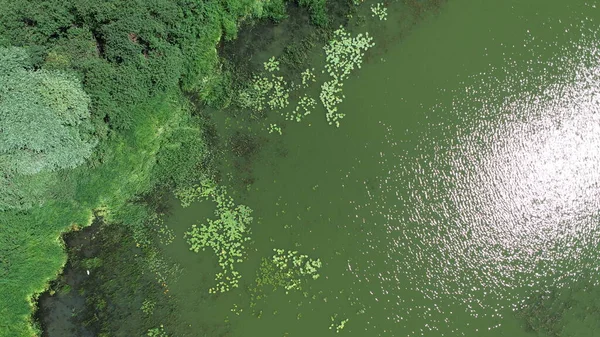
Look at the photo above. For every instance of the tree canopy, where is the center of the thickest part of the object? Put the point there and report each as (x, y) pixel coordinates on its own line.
(44, 117)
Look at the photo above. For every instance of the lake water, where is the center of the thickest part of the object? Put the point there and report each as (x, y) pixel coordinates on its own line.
(459, 197)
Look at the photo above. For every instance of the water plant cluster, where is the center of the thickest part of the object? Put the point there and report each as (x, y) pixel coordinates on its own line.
(308, 76)
(157, 332)
(344, 53)
(271, 65)
(274, 128)
(225, 235)
(305, 106)
(273, 92)
(379, 11)
(288, 270)
(265, 92)
(337, 326)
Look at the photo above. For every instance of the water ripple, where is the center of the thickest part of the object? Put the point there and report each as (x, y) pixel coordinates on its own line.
(503, 202)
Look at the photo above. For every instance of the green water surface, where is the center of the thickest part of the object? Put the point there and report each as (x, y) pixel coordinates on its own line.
(460, 193)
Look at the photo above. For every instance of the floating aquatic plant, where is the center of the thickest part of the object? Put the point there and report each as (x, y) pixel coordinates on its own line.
(255, 95)
(304, 107)
(157, 332)
(236, 309)
(148, 307)
(263, 92)
(331, 96)
(308, 76)
(271, 65)
(379, 11)
(344, 53)
(225, 235)
(338, 326)
(279, 97)
(288, 270)
(274, 128)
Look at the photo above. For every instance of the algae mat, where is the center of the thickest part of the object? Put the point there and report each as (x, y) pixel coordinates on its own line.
(459, 197)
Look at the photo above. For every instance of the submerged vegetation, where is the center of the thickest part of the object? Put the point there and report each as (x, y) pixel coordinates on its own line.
(101, 288)
(559, 312)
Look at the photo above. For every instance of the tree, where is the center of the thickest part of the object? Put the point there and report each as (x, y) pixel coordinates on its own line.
(44, 118)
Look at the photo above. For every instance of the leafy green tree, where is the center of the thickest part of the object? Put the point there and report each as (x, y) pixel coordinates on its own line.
(44, 117)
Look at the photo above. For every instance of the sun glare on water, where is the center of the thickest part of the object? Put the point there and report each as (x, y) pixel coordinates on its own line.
(505, 203)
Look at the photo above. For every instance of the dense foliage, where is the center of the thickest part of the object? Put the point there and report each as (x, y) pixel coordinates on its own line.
(44, 125)
(127, 51)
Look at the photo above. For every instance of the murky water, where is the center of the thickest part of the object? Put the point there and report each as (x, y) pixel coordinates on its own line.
(461, 188)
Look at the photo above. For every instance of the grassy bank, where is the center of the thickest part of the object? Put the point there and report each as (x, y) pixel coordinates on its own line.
(32, 251)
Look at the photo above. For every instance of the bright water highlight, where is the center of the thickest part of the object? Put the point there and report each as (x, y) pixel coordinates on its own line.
(459, 197)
